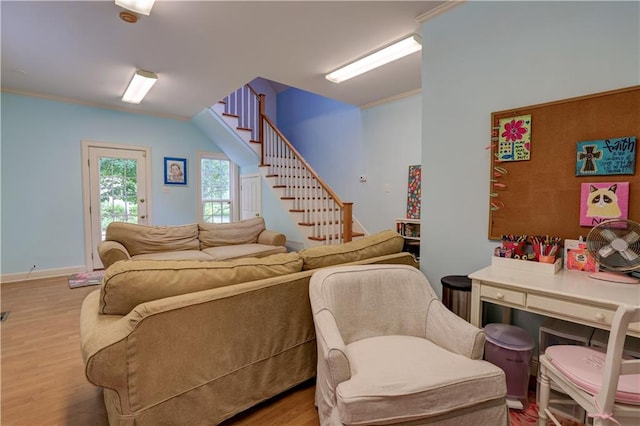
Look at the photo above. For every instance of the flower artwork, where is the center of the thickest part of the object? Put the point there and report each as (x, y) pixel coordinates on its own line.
(514, 138)
(414, 192)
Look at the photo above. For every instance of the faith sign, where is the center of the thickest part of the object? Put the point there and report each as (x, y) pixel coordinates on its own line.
(615, 156)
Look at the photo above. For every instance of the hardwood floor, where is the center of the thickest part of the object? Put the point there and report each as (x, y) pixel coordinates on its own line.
(43, 381)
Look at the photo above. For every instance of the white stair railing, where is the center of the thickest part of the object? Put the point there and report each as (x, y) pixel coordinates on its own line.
(318, 207)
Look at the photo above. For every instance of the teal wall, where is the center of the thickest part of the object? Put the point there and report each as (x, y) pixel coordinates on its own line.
(42, 217)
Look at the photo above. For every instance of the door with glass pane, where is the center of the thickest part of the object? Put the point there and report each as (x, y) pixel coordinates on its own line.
(117, 180)
(217, 202)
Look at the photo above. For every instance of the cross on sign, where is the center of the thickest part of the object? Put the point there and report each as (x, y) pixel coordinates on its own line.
(589, 156)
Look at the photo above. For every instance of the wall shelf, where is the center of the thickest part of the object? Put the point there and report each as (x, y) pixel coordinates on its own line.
(410, 230)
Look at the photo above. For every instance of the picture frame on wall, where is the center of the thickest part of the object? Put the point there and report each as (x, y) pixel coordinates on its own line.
(175, 171)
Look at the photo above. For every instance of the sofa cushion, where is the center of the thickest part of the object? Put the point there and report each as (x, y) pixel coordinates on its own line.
(225, 234)
(128, 283)
(174, 255)
(380, 244)
(242, 250)
(142, 239)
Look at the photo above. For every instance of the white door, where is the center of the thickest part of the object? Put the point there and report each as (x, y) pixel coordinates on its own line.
(116, 191)
(250, 196)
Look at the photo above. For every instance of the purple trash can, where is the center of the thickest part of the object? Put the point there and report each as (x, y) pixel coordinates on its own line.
(510, 348)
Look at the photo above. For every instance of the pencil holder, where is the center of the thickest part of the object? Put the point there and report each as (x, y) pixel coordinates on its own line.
(546, 259)
(536, 251)
(518, 247)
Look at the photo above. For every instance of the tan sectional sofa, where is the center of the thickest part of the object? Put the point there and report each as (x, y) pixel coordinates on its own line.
(202, 241)
(192, 342)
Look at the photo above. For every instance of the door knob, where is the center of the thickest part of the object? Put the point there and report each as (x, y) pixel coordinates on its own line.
(143, 217)
(142, 200)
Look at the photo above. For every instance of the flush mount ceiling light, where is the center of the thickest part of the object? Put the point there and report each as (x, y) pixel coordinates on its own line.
(142, 7)
(139, 86)
(383, 56)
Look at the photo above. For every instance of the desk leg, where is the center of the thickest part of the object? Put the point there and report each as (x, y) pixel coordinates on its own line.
(506, 315)
(476, 305)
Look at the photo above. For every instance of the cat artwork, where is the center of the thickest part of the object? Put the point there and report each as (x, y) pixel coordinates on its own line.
(603, 201)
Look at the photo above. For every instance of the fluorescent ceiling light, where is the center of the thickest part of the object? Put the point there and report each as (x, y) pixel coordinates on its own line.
(139, 85)
(383, 56)
(142, 7)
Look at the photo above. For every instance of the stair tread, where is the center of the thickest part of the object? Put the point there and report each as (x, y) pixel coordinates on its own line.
(228, 114)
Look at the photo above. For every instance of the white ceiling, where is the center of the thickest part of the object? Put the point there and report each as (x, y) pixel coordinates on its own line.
(203, 50)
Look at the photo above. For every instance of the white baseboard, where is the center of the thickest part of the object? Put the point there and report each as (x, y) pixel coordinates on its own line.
(45, 273)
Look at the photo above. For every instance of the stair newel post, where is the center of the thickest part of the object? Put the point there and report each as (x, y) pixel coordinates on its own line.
(261, 107)
(347, 222)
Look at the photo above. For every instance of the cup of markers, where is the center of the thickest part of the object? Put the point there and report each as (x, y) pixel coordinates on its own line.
(517, 243)
(545, 248)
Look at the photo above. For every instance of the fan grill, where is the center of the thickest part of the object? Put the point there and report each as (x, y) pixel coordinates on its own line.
(615, 244)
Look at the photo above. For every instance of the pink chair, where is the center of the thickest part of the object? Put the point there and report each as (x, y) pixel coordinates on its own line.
(605, 384)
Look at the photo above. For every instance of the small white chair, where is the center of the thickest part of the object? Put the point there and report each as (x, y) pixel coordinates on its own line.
(390, 352)
(604, 384)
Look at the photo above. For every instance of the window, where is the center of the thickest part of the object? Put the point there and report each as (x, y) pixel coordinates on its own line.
(218, 200)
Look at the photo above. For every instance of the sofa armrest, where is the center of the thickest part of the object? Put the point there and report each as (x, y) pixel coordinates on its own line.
(451, 332)
(272, 238)
(112, 251)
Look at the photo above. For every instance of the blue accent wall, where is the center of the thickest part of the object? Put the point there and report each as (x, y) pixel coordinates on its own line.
(343, 142)
(327, 133)
(42, 208)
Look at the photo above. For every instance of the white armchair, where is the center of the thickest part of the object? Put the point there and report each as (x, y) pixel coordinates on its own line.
(390, 352)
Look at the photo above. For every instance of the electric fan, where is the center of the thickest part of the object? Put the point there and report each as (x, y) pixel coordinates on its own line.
(615, 244)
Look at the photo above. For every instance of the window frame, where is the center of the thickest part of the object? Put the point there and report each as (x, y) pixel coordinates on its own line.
(233, 183)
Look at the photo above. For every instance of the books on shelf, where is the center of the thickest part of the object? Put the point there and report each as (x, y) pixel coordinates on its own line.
(408, 228)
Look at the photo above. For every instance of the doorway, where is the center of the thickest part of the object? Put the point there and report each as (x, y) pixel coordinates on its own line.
(115, 187)
(250, 196)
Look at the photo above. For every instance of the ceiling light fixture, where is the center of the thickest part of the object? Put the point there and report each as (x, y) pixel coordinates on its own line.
(397, 50)
(139, 86)
(142, 7)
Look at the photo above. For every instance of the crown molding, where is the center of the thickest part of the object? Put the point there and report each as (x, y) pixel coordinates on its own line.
(391, 98)
(439, 10)
(92, 104)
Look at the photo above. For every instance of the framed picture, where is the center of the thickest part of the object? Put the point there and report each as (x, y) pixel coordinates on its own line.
(175, 171)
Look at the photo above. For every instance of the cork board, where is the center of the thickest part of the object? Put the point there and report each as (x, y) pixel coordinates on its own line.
(541, 196)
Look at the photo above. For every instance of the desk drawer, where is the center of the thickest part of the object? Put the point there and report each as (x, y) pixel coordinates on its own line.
(499, 294)
(590, 314)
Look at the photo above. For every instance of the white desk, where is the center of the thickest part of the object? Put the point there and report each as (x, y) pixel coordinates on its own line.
(567, 295)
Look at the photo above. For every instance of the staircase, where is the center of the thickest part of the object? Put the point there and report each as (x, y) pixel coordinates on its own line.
(320, 215)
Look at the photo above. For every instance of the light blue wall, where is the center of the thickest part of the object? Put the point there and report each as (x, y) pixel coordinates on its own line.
(490, 56)
(42, 217)
(392, 142)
